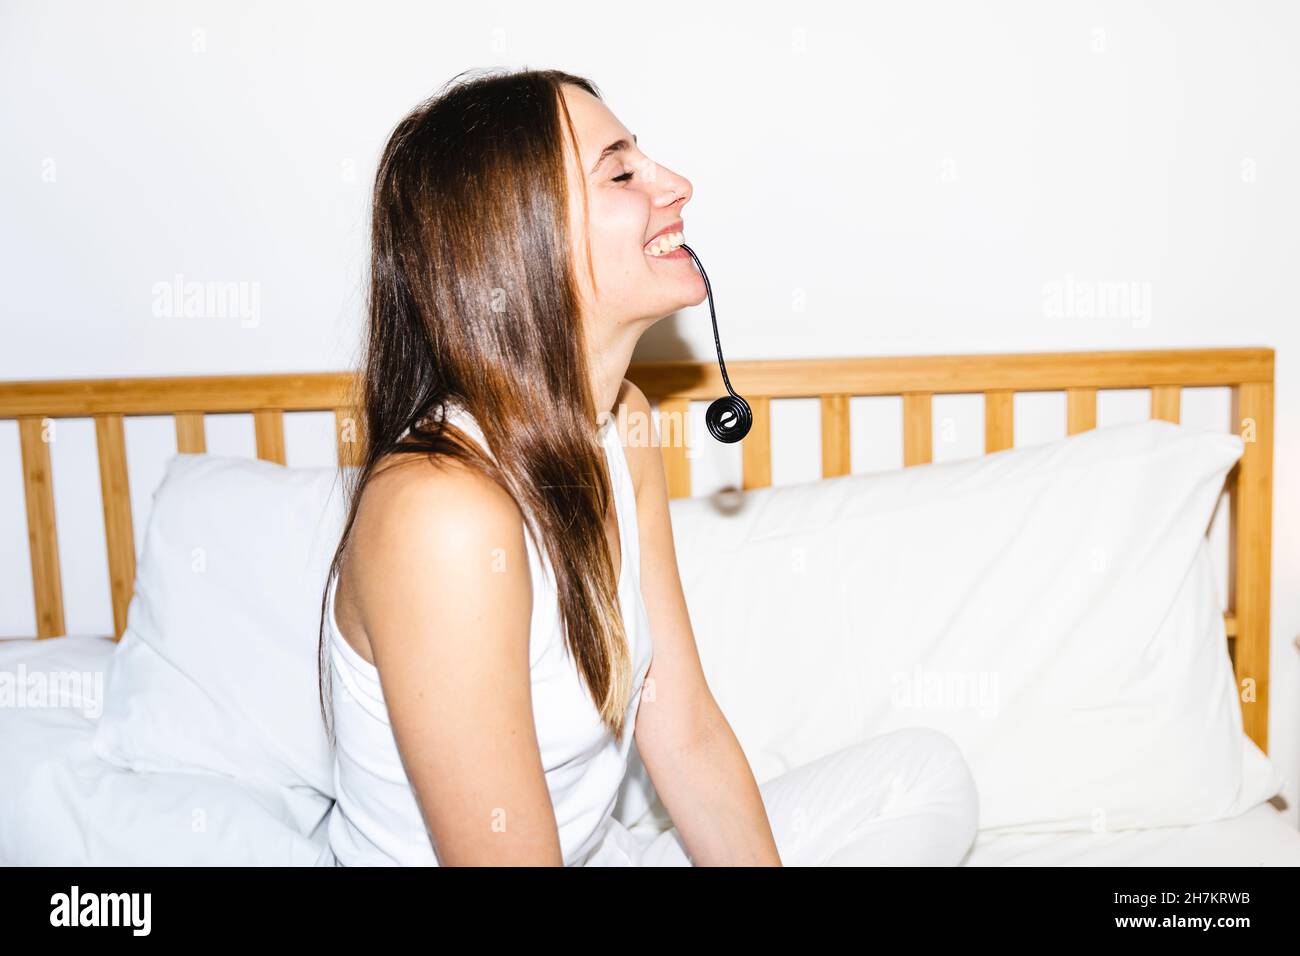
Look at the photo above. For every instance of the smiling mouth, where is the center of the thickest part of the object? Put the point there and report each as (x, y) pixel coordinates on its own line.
(665, 245)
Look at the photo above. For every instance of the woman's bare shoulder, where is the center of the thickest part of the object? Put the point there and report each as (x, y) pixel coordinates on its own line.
(427, 534)
(406, 488)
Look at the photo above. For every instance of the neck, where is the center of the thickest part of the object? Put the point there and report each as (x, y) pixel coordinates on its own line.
(608, 363)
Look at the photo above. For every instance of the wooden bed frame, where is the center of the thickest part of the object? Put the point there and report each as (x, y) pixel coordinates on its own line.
(672, 386)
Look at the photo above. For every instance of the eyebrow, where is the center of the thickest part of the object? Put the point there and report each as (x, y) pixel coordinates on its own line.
(615, 147)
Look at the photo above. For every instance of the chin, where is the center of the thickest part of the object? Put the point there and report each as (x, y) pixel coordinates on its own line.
(694, 295)
(685, 302)
(681, 297)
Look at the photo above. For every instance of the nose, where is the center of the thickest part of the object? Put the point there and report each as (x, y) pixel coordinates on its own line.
(671, 188)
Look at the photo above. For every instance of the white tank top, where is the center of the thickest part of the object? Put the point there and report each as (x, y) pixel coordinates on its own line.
(376, 818)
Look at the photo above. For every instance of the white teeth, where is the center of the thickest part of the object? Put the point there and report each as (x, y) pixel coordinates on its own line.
(665, 243)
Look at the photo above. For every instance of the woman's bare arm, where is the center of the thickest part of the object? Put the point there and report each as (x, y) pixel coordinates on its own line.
(686, 744)
(444, 594)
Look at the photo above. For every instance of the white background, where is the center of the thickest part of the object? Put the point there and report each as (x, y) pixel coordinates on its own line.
(870, 179)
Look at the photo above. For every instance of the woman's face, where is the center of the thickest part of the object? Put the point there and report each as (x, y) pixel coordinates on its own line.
(631, 200)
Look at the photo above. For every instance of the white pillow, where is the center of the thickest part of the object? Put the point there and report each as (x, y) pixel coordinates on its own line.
(217, 669)
(1051, 608)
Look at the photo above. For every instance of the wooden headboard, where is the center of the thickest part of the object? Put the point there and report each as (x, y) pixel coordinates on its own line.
(671, 386)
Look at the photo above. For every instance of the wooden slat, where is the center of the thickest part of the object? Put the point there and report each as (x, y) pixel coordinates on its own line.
(268, 424)
(1165, 402)
(999, 419)
(951, 374)
(191, 436)
(673, 419)
(347, 435)
(110, 437)
(42, 533)
(836, 451)
(1081, 410)
(918, 429)
(756, 447)
(1251, 551)
(291, 392)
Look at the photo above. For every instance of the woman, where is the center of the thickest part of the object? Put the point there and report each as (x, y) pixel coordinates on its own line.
(508, 552)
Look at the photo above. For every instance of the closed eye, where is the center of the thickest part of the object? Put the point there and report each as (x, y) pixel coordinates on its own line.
(626, 177)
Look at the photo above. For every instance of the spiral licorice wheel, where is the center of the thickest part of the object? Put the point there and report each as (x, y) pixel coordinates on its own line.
(729, 417)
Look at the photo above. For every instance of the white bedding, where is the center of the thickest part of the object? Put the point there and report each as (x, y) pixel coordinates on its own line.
(62, 805)
(1259, 837)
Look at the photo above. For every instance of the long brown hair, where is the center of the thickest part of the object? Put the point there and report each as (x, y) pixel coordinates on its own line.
(473, 300)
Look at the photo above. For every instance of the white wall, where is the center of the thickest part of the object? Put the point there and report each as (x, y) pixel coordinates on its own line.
(882, 178)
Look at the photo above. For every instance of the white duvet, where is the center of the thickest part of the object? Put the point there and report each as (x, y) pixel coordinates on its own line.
(60, 805)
